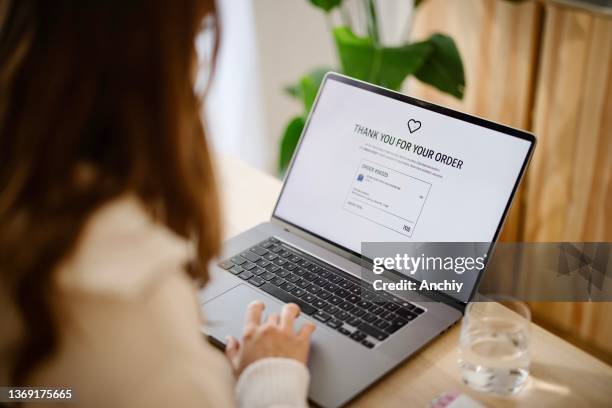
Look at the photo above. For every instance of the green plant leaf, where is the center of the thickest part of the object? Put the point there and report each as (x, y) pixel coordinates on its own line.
(289, 141)
(307, 87)
(386, 66)
(443, 68)
(326, 5)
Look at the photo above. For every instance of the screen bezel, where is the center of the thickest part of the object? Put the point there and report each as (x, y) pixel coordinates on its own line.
(475, 120)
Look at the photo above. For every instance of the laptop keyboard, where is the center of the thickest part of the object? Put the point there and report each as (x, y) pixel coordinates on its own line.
(329, 295)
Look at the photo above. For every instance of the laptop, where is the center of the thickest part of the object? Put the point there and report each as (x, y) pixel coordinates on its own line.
(458, 174)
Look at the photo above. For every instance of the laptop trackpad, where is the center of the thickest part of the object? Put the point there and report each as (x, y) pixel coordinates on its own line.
(225, 314)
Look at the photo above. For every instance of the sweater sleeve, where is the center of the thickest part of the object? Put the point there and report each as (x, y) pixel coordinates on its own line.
(273, 382)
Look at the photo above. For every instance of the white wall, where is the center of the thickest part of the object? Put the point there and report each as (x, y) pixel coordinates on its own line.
(266, 45)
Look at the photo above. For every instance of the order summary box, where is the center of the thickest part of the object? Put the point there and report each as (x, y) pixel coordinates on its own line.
(387, 197)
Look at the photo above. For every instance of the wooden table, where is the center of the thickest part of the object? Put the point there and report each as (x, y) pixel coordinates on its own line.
(562, 375)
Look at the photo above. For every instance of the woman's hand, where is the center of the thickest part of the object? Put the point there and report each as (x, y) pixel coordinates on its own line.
(275, 338)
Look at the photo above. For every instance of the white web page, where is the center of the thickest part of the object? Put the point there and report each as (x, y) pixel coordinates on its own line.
(371, 168)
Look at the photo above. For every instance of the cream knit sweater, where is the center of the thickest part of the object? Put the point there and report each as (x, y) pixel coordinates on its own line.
(131, 327)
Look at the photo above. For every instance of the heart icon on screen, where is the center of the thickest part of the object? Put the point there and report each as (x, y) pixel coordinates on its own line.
(413, 125)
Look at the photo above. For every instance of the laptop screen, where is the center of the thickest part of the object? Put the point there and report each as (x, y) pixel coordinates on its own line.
(374, 165)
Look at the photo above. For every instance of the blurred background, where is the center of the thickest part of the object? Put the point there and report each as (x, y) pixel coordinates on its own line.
(544, 66)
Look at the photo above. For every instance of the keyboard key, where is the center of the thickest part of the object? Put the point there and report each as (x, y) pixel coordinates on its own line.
(334, 324)
(331, 309)
(273, 268)
(330, 287)
(323, 294)
(258, 271)
(263, 263)
(288, 298)
(381, 324)
(300, 271)
(358, 312)
(238, 260)
(418, 310)
(319, 304)
(345, 284)
(391, 306)
(320, 281)
(236, 269)
(259, 251)
(302, 262)
(251, 256)
(396, 325)
(246, 275)
(280, 261)
(282, 273)
(268, 276)
(270, 256)
(314, 289)
(372, 331)
(294, 258)
(291, 267)
(368, 295)
(367, 344)
(378, 311)
(353, 321)
(322, 317)
(388, 316)
(284, 253)
(342, 315)
(334, 278)
(353, 298)
(362, 304)
(303, 283)
(309, 298)
(267, 244)
(287, 287)
(292, 278)
(309, 276)
(358, 336)
(369, 317)
(248, 266)
(334, 300)
(256, 281)
(344, 331)
(325, 273)
(348, 306)
(226, 264)
(298, 292)
(277, 281)
(342, 293)
(405, 313)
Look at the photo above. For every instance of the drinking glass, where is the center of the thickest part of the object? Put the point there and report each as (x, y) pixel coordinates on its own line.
(494, 352)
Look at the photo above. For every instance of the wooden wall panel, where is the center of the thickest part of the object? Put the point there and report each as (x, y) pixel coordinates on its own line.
(544, 68)
(570, 180)
(498, 42)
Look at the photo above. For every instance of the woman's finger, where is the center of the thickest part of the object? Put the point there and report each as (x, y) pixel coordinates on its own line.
(231, 348)
(253, 313)
(289, 313)
(273, 319)
(306, 330)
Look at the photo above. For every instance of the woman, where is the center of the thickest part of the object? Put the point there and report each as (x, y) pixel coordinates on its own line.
(109, 215)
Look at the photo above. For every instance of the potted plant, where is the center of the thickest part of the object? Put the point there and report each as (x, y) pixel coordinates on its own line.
(434, 61)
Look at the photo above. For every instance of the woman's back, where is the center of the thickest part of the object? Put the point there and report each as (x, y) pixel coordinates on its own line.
(129, 323)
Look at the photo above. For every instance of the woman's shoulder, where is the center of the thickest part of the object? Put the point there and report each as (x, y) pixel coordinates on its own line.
(122, 251)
